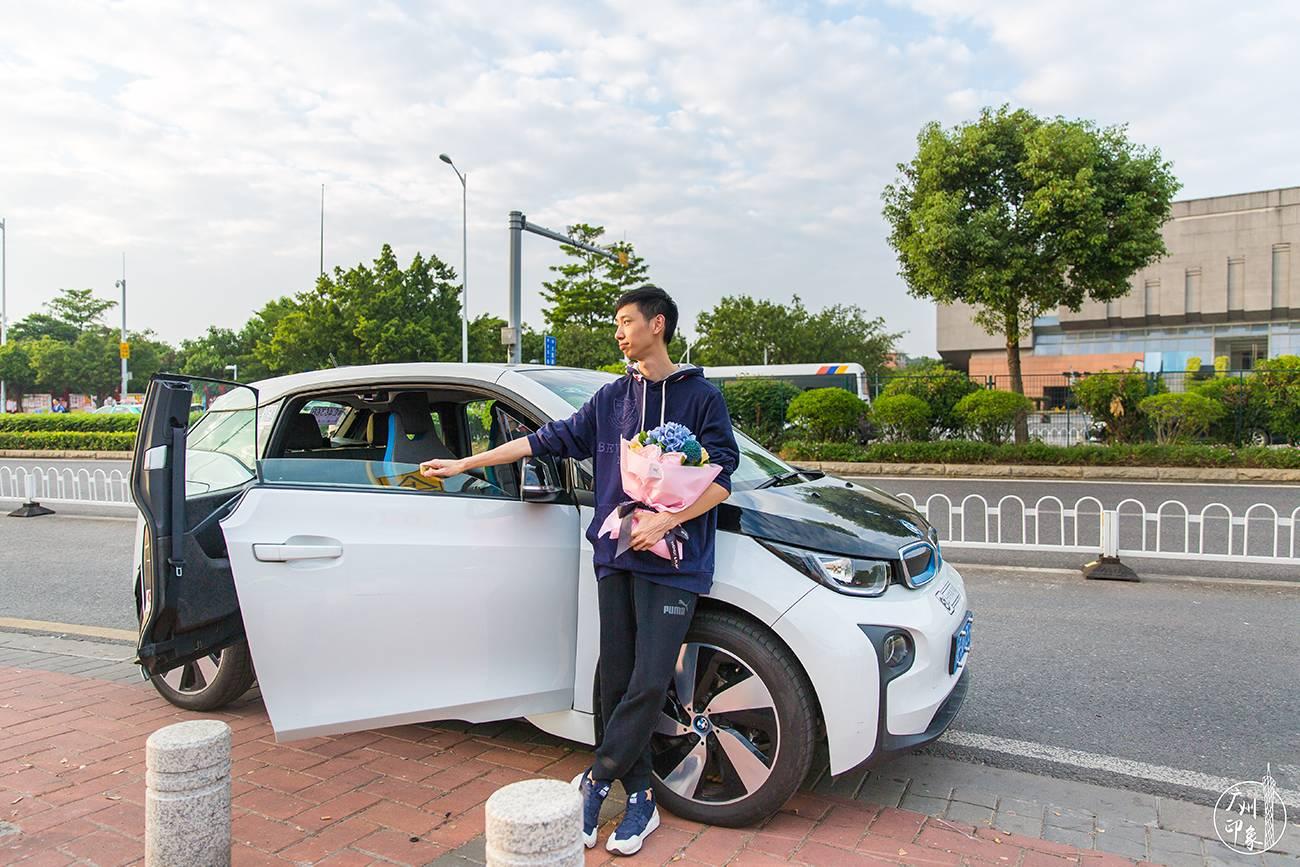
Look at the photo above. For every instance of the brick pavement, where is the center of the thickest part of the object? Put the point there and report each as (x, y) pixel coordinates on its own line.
(72, 792)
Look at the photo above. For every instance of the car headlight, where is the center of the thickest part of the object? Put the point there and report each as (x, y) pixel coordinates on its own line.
(851, 575)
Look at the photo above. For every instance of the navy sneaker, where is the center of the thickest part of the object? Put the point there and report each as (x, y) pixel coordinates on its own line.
(641, 818)
(592, 797)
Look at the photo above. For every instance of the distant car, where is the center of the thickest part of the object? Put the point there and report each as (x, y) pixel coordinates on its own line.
(120, 408)
(290, 529)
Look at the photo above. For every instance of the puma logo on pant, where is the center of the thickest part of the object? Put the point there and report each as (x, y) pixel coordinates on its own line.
(679, 609)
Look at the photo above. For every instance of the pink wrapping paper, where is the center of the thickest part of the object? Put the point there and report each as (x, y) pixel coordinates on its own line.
(660, 481)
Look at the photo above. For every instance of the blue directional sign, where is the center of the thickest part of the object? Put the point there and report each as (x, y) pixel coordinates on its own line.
(550, 349)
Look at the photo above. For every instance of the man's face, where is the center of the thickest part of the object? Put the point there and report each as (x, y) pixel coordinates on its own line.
(637, 337)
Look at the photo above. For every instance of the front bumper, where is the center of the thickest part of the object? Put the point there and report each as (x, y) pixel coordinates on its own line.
(872, 711)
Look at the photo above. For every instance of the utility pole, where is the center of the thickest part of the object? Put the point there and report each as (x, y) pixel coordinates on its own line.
(125, 349)
(464, 257)
(322, 230)
(512, 334)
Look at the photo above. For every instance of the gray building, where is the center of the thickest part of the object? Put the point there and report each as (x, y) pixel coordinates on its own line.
(1226, 288)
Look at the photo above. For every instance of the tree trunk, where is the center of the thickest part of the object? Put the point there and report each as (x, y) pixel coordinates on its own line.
(1017, 382)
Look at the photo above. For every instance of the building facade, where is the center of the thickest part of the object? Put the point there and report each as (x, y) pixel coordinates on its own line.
(1228, 287)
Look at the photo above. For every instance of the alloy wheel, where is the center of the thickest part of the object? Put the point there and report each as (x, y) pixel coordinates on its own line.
(194, 677)
(719, 734)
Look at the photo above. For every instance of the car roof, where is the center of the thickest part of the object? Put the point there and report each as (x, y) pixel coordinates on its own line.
(271, 390)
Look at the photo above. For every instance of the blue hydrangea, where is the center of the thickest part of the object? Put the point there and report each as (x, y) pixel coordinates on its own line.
(670, 436)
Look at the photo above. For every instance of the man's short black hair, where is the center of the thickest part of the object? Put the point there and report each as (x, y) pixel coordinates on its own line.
(651, 301)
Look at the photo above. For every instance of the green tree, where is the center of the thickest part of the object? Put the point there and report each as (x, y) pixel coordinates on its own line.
(368, 314)
(1018, 215)
(588, 286)
(739, 328)
(758, 407)
(1113, 398)
(54, 364)
(37, 325)
(79, 308)
(66, 315)
(485, 339)
(16, 370)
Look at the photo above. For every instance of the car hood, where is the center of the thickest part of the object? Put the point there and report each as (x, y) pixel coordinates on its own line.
(825, 514)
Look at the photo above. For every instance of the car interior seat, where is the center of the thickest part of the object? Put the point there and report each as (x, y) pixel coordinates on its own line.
(303, 434)
(409, 437)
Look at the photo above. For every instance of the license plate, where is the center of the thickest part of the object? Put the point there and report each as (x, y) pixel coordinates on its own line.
(960, 644)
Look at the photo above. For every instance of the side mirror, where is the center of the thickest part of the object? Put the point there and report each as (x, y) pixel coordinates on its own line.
(540, 482)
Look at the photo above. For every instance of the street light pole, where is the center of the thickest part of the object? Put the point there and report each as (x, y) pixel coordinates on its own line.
(4, 309)
(464, 257)
(121, 284)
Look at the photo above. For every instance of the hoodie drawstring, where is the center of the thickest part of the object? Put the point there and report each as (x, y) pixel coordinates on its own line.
(663, 403)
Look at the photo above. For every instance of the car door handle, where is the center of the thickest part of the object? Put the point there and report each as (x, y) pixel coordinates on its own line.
(294, 550)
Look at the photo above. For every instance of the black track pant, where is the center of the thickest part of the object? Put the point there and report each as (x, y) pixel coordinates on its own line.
(642, 625)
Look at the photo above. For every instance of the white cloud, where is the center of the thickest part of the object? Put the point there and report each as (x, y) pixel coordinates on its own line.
(741, 145)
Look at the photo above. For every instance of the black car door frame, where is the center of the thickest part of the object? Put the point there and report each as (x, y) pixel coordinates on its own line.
(185, 593)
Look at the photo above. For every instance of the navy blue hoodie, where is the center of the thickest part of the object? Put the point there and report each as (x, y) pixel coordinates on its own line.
(622, 409)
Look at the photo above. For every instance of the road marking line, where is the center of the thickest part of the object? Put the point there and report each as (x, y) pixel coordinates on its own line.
(1111, 764)
(69, 629)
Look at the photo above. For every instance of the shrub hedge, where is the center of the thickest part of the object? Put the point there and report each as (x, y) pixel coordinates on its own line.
(72, 421)
(68, 439)
(1041, 454)
(827, 413)
(991, 415)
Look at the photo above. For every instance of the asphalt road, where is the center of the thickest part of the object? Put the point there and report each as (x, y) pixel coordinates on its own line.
(1198, 677)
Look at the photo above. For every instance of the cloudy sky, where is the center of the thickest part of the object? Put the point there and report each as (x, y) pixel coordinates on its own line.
(742, 146)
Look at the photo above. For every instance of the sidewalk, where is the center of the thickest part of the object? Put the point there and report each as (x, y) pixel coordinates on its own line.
(74, 718)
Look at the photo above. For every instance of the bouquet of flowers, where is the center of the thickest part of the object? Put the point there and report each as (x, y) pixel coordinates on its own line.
(663, 470)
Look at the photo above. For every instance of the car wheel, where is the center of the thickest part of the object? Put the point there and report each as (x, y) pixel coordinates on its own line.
(210, 682)
(738, 730)
(1259, 437)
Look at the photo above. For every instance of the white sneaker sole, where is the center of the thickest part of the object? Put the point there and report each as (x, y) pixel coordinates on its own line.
(588, 840)
(632, 845)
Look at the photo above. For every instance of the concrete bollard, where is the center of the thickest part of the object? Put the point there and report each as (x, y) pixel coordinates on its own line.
(535, 823)
(187, 795)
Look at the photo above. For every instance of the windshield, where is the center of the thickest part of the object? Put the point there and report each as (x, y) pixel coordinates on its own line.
(757, 464)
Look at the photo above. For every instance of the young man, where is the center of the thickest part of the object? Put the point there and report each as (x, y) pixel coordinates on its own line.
(645, 603)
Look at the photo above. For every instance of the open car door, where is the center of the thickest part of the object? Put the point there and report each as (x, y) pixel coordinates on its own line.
(184, 480)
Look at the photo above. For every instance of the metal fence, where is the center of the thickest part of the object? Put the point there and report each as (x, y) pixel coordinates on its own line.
(1258, 534)
(66, 485)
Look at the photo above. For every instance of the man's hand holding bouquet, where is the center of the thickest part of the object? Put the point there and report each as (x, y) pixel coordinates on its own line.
(664, 471)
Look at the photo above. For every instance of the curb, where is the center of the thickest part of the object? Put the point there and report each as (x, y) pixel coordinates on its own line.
(1243, 475)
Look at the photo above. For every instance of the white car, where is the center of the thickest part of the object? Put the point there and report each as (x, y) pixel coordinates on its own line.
(365, 595)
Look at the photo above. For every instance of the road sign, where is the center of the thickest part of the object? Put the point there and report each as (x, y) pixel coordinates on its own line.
(124, 349)
(550, 349)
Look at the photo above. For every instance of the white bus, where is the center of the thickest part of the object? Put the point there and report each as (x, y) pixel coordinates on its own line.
(850, 377)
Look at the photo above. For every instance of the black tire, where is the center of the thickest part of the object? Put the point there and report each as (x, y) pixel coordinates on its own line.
(725, 646)
(196, 686)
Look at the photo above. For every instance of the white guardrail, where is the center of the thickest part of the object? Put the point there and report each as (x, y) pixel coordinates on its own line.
(56, 485)
(1259, 534)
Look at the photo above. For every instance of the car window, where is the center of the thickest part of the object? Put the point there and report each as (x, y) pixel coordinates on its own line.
(478, 425)
(355, 441)
(576, 387)
(221, 446)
